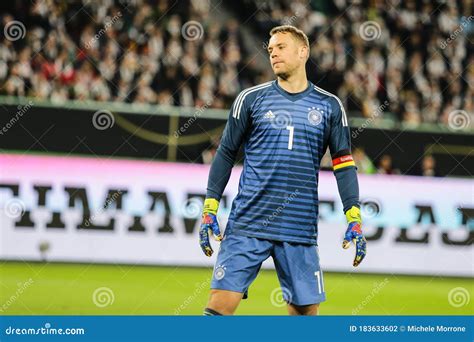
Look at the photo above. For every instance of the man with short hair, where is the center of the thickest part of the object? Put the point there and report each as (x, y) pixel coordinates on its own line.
(285, 126)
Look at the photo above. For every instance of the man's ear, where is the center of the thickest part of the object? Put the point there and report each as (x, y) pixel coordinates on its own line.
(304, 52)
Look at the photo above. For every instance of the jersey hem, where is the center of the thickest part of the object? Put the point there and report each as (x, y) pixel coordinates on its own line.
(246, 233)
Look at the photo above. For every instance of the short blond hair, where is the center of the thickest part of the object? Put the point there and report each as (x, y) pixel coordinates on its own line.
(296, 32)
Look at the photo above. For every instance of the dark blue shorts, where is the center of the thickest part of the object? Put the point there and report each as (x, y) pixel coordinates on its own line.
(297, 266)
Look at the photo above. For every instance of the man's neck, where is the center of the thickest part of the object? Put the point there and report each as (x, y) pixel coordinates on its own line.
(294, 84)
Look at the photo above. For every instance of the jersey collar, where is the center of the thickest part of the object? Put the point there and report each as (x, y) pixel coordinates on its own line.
(293, 96)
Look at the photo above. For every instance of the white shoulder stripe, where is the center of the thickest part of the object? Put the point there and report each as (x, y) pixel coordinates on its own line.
(240, 99)
(344, 116)
(248, 92)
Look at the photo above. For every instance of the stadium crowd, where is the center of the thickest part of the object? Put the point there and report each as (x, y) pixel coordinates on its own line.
(158, 52)
(411, 58)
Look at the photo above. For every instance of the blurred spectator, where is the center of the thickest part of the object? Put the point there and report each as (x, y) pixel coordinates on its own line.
(385, 166)
(209, 153)
(363, 162)
(428, 166)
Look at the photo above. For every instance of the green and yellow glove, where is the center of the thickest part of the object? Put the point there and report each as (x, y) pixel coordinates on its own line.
(209, 226)
(354, 234)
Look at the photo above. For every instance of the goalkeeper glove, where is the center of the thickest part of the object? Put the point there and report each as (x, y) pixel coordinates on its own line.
(209, 226)
(354, 234)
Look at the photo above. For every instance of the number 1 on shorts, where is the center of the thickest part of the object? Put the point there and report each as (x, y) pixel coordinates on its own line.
(319, 275)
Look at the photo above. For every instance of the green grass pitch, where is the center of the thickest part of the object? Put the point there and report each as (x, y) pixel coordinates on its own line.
(68, 289)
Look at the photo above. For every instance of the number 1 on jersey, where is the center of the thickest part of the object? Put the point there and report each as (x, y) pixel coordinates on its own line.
(290, 140)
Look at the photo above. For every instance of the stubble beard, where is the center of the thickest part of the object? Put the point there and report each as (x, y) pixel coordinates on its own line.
(286, 74)
(283, 75)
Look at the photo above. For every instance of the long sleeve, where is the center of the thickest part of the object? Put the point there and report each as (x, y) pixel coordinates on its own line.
(344, 167)
(232, 138)
(348, 187)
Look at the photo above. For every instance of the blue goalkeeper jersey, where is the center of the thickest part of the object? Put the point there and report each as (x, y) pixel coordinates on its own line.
(284, 136)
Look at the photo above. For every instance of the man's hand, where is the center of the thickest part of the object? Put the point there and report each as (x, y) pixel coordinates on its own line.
(209, 226)
(354, 234)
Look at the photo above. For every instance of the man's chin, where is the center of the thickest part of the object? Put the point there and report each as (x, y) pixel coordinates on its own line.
(281, 74)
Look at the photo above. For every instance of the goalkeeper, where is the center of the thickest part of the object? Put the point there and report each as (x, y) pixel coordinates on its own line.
(285, 127)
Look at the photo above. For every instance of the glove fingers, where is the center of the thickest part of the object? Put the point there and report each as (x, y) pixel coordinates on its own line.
(216, 232)
(207, 250)
(357, 260)
(348, 237)
(204, 241)
(354, 234)
(346, 244)
(361, 246)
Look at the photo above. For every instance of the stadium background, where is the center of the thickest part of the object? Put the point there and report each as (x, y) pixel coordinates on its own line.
(111, 112)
